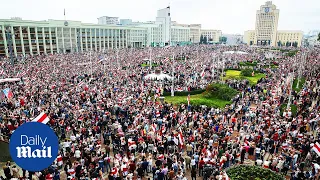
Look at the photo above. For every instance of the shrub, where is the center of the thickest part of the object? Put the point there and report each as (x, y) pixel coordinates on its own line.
(245, 172)
(185, 93)
(220, 91)
(246, 72)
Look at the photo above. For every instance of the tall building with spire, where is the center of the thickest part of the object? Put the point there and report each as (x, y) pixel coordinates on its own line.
(266, 31)
(267, 24)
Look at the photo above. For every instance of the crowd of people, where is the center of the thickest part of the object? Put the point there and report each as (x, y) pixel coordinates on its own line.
(111, 123)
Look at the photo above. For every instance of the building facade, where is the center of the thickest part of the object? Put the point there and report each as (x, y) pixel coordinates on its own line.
(249, 37)
(266, 31)
(195, 33)
(125, 22)
(267, 24)
(284, 38)
(108, 20)
(212, 36)
(289, 38)
(180, 35)
(164, 19)
(21, 37)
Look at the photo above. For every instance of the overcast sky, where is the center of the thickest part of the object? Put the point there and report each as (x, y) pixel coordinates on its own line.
(230, 16)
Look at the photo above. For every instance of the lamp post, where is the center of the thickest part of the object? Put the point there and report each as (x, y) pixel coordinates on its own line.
(90, 63)
(9, 38)
(172, 87)
(150, 57)
(79, 45)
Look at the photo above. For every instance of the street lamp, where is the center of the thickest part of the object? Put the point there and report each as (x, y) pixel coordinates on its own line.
(9, 39)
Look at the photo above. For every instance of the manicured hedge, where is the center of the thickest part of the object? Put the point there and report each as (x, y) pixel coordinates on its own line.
(245, 172)
(185, 93)
(246, 72)
(220, 91)
(254, 63)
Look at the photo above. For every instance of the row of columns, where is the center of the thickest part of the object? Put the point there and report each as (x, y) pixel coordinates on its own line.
(76, 41)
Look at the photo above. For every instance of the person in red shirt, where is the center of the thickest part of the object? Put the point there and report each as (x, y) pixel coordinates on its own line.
(201, 165)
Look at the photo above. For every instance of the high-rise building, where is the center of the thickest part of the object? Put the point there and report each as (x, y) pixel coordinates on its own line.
(267, 24)
(266, 32)
(163, 16)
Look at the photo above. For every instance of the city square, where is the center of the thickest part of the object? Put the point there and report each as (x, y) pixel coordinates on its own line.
(162, 100)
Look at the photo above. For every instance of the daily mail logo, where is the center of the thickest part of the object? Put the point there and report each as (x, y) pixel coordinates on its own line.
(34, 146)
(25, 151)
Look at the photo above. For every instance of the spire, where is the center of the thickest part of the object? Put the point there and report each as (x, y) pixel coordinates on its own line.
(64, 14)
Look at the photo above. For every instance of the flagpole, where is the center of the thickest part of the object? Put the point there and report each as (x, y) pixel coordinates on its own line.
(150, 57)
(172, 87)
(118, 58)
(91, 63)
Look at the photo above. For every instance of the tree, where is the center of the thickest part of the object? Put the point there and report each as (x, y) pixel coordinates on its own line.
(205, 40)
(319, 37)
(288, 44)
(201, 39)
(279, 43)
(223, 39)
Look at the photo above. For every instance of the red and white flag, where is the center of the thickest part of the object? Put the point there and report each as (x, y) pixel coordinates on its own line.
(181, 139)
(59, 160)
(42, 118)
(316, 148)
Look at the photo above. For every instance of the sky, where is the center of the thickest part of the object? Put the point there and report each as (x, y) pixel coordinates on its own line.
(230, 16)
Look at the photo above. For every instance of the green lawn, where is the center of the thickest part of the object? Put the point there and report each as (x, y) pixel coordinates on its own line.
(294, 109)
(272, 66)
(146, 65)
(235, 74)
(197, 100)
(301, 83)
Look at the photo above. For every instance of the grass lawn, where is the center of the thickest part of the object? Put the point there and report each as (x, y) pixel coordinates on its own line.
(294, 109)
(301, 83)
(234, 74)
(146, 65)
(197, 100)
(272, 66)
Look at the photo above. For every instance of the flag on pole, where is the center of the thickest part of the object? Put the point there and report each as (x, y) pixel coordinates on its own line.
(181, 139)
(202, 74)
(316, 148)
(8, 93)
(42, 118)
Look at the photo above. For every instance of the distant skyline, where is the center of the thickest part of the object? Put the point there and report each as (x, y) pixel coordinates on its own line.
(230, 16)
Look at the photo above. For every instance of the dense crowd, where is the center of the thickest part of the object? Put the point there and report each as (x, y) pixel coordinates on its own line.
(111, 123)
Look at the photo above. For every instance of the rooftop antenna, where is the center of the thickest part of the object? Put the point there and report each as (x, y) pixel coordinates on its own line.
(64, 14)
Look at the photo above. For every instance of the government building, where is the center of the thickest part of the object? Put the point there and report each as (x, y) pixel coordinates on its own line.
(266, 31)
(21, 37)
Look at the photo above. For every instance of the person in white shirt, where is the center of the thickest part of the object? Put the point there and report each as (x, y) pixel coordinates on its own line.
(77, 154)
(258, 162)
(193, 163)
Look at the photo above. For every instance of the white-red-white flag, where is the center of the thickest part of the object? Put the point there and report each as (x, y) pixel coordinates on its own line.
(42, 118)
(316, 148)
(181, 139)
